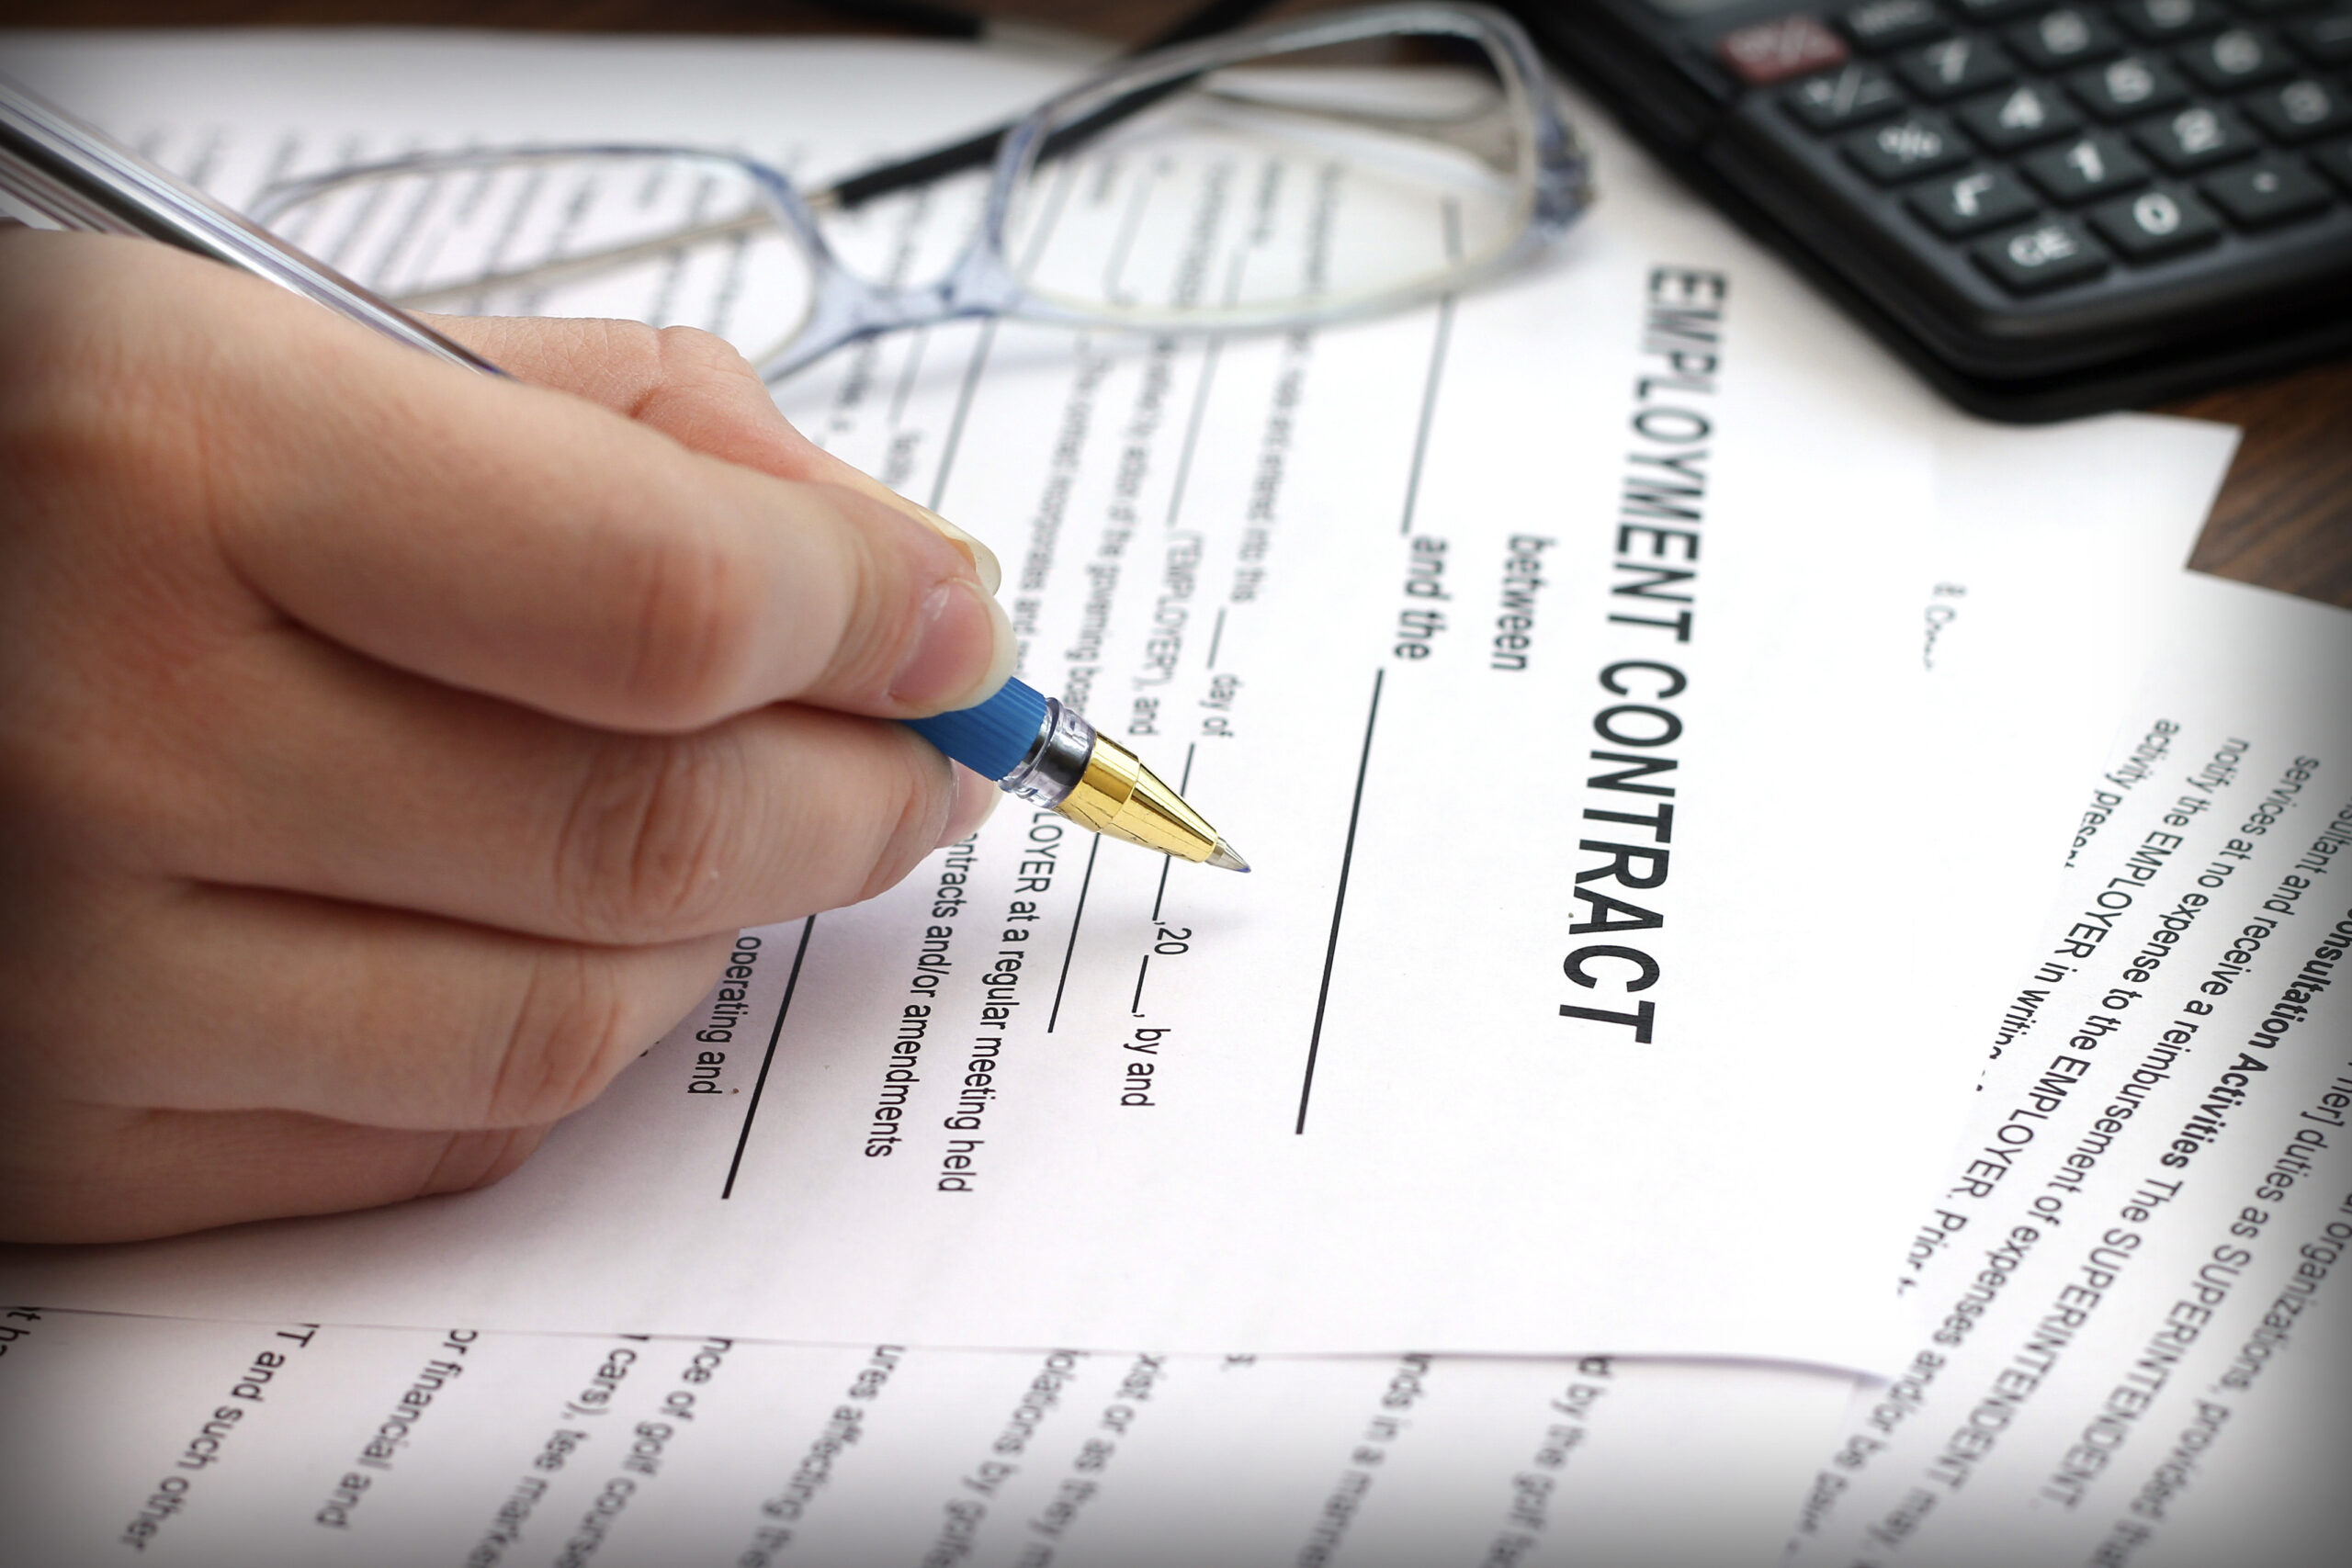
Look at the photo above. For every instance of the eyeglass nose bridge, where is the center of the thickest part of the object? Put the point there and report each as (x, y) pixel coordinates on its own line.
(844, 307)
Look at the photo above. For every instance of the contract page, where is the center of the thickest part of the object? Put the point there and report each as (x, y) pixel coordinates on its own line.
(2128, 1289)
(1554, 651)
(244, 1446)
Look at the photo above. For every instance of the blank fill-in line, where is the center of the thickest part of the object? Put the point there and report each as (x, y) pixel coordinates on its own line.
(759, 1085)
(1077, 915)
(1338, 903)
(1437, 370)
(1429, 412)
(964, 395)
(1166, 861)
(918, 341)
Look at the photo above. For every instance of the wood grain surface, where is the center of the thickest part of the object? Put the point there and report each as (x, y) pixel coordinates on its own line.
(2284, 519)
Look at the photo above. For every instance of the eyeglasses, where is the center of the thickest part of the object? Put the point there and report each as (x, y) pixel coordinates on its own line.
(1263, 179)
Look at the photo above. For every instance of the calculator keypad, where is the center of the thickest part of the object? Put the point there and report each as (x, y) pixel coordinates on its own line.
(2303, 110)
(2158, 222)
(2086, 168)
(1953, 67)
(1982, 199)
(2170, 21)
(2271, 191)
(2053, 143)
(2049, 254)
(1879, 24)
(2056, 40)
(1852, 94)
(2131, 86)
(1905, 148)
(2243, 57)
(2023, 116)
(2195, 138)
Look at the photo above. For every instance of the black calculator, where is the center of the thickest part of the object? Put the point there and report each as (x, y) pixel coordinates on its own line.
(2048, 208)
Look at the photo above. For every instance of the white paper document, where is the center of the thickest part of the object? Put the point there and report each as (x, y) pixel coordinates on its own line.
(1555, 653)
(245, 1446)
(2129, 1292)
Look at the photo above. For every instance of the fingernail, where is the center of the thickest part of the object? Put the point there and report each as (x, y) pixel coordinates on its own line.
(963, 649)
(983, 558)
(975, 799)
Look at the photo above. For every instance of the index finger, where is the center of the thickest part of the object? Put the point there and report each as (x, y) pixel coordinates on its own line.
(688, 385)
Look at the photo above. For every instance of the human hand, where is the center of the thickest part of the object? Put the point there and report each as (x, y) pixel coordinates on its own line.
(389, 754)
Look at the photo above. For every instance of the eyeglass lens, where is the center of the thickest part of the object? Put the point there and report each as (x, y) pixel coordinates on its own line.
(1298, 181)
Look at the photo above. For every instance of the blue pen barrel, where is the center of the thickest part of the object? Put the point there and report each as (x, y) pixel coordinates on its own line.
(991, 739)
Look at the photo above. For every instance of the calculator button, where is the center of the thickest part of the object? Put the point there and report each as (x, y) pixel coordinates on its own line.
(2086, 168)
(2018, 117)
(1890, 24)
(2243, 57)
(2068, 35)
(2135, 84)
(2326, 38)
(1954, 68)
(1919, 143)
(2167, 21)
(2301, 110)
(2046, 255)
(2334, 161)
(1970, 203)
(1774, 51)
(2195, 138)
(2272, 191)
(2156, 223)
(1852, 94)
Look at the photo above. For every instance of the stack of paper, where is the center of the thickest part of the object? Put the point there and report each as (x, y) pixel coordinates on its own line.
(1518, 1167)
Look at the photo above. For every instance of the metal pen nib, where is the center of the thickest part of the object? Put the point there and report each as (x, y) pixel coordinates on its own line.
(1042, 752)
(1116, 795)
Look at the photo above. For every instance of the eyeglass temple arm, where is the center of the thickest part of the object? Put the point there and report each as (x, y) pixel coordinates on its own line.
(974, 152)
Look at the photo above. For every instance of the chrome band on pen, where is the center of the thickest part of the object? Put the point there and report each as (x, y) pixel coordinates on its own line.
(1055, 761)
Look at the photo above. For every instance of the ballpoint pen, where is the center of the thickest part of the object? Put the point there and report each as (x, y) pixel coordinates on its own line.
(1033, 747)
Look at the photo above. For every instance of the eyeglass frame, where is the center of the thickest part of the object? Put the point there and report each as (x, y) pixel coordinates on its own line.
(846, 306)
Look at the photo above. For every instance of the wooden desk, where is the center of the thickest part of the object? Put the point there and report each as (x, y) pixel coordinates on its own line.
(2284, 519)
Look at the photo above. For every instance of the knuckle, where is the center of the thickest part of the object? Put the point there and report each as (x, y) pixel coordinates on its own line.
(621, 358)
(690, 352)
(613, 340)
(643, 852)
(571, 1026)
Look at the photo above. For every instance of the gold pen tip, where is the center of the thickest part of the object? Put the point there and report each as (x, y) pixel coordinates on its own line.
(1224, 859)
